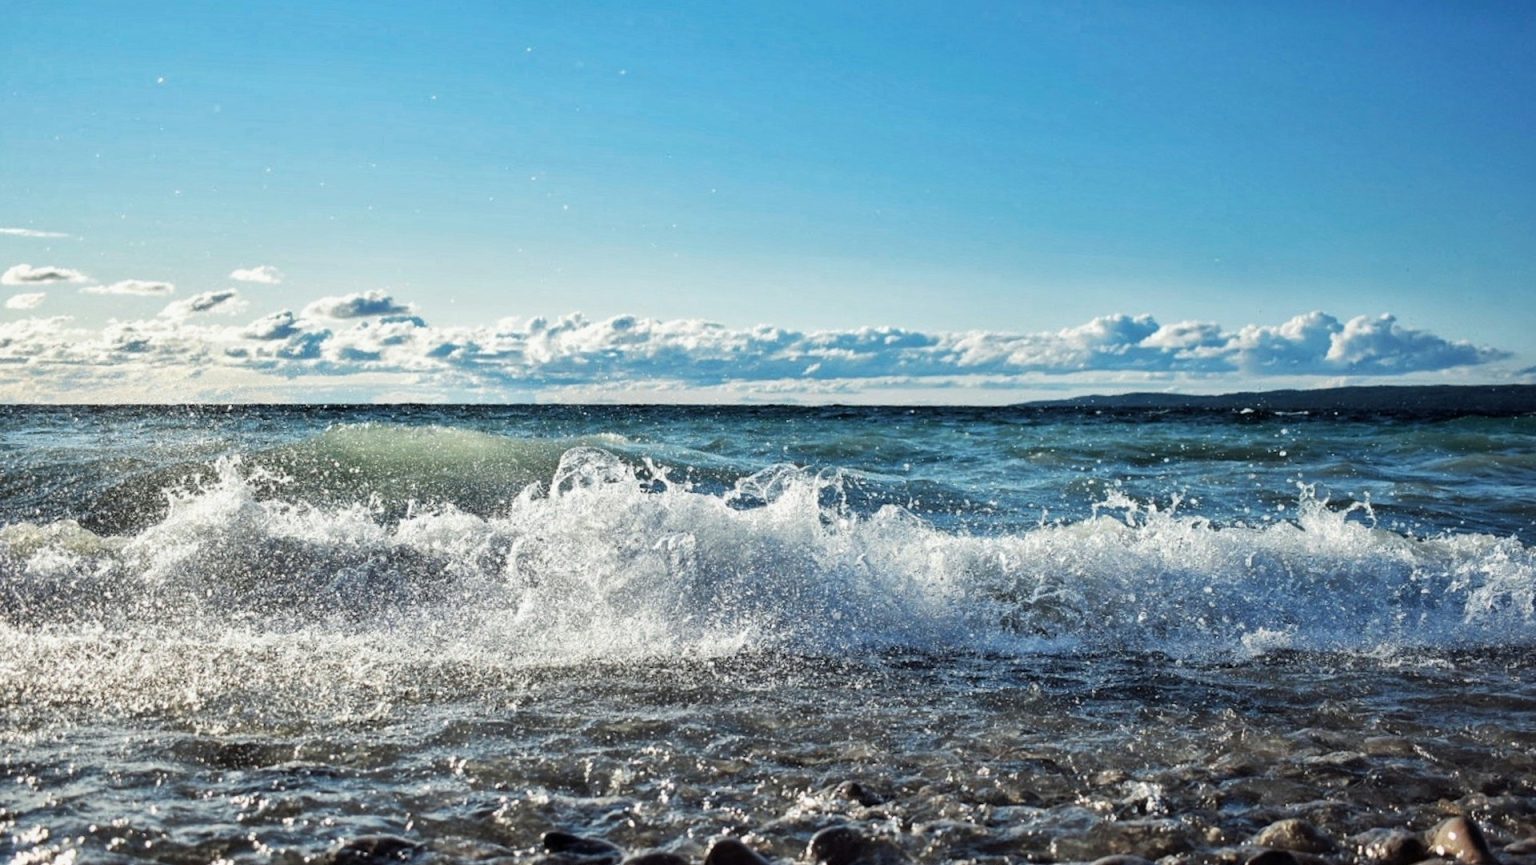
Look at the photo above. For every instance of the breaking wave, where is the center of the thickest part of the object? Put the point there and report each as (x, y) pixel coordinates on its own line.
(584, 554)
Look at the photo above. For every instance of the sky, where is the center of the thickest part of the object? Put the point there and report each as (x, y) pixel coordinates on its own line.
(783, 202)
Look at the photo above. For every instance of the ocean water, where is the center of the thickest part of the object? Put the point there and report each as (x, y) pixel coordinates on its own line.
(257, 634)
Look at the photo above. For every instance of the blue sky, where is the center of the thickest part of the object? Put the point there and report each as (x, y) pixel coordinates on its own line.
(1019, 170)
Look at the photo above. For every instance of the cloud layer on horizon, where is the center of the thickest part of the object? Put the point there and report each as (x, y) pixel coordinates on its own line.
(371, 336)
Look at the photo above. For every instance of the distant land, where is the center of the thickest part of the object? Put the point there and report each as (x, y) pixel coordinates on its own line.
(1502, 399)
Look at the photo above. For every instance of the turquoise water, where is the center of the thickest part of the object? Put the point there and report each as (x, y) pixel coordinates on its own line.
(260, 634)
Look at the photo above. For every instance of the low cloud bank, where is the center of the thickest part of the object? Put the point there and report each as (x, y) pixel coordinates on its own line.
(373, 336)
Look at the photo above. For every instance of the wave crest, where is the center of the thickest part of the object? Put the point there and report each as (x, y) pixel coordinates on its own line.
(611, 559)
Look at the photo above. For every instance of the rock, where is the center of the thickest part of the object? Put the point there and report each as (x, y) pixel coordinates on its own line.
(1389, 846)
(375, 849)
(655, 857)
(729, 851)
(1294, 835)
(845, 845)
(1121, 859)
(856, 792)
(837, 845)
(1272, 857)
(1522, 848)
(1460, 839)
(582, 847)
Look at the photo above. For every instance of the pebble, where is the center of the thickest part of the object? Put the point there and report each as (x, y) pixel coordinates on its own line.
(583, 847)
(845, 845)
(1460, 839)
(655, 857)
(1272, 857)
(729, 851)
(1121, 859)
(374, 849)
(1295, 835)
(856, 792)
(1389, 846)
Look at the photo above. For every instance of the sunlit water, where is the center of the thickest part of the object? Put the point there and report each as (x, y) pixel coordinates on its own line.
(262, 634)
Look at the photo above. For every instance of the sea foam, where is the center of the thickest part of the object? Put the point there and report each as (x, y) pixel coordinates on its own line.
(611, 557)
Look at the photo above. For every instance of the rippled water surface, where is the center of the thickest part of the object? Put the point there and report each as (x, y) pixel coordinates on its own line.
(265, 634)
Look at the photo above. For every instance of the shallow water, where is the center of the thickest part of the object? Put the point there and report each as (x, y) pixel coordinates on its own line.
(261, 634)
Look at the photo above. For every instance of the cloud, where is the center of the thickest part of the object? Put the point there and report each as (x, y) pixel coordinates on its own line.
(278, 325)
(265, 274)
(136, 287)
(359, 305)
(26, 274)
(30, 232)
(226, 301)
(374, 340)
(26, 300)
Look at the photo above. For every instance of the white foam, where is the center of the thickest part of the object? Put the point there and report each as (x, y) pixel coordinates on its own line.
(603, 565)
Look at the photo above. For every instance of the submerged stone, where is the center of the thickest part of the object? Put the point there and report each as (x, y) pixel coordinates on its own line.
(375, 850)
(857, 792)
(1122, 859)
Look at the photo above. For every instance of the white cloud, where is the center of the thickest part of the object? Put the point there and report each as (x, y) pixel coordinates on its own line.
(26, 274)
(373, 340)
(136, 287)
(226, 301)
(25, 300)
(265, 274)
(30, 232)
(357, 305)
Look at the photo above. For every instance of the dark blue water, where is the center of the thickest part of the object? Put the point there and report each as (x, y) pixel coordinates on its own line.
(261, 633)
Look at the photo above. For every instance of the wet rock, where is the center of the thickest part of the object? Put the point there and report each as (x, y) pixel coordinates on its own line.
(582, 847)
(1389, 846)
(1522, 848)
(729, 851)
(375, 850)
(1121, 859)
(1280, 857)
(1272, 857)
(1460, 839)
(837, 845)
(655, 857)
(845, 845)
(1294, 835)
(857, 792)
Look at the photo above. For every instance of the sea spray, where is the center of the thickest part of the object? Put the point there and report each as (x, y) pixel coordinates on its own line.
(302, 634)
(612, 559)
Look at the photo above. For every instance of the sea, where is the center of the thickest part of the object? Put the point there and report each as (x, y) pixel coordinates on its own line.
(347, 634)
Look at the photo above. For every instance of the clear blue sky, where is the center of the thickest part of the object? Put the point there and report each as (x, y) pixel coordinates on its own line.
(1019, 167)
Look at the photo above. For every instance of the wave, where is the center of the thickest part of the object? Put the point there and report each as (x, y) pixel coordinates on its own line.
(606, 556)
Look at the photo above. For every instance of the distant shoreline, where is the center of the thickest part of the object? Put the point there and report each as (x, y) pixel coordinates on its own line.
(1509, 399)
(1502, 400)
